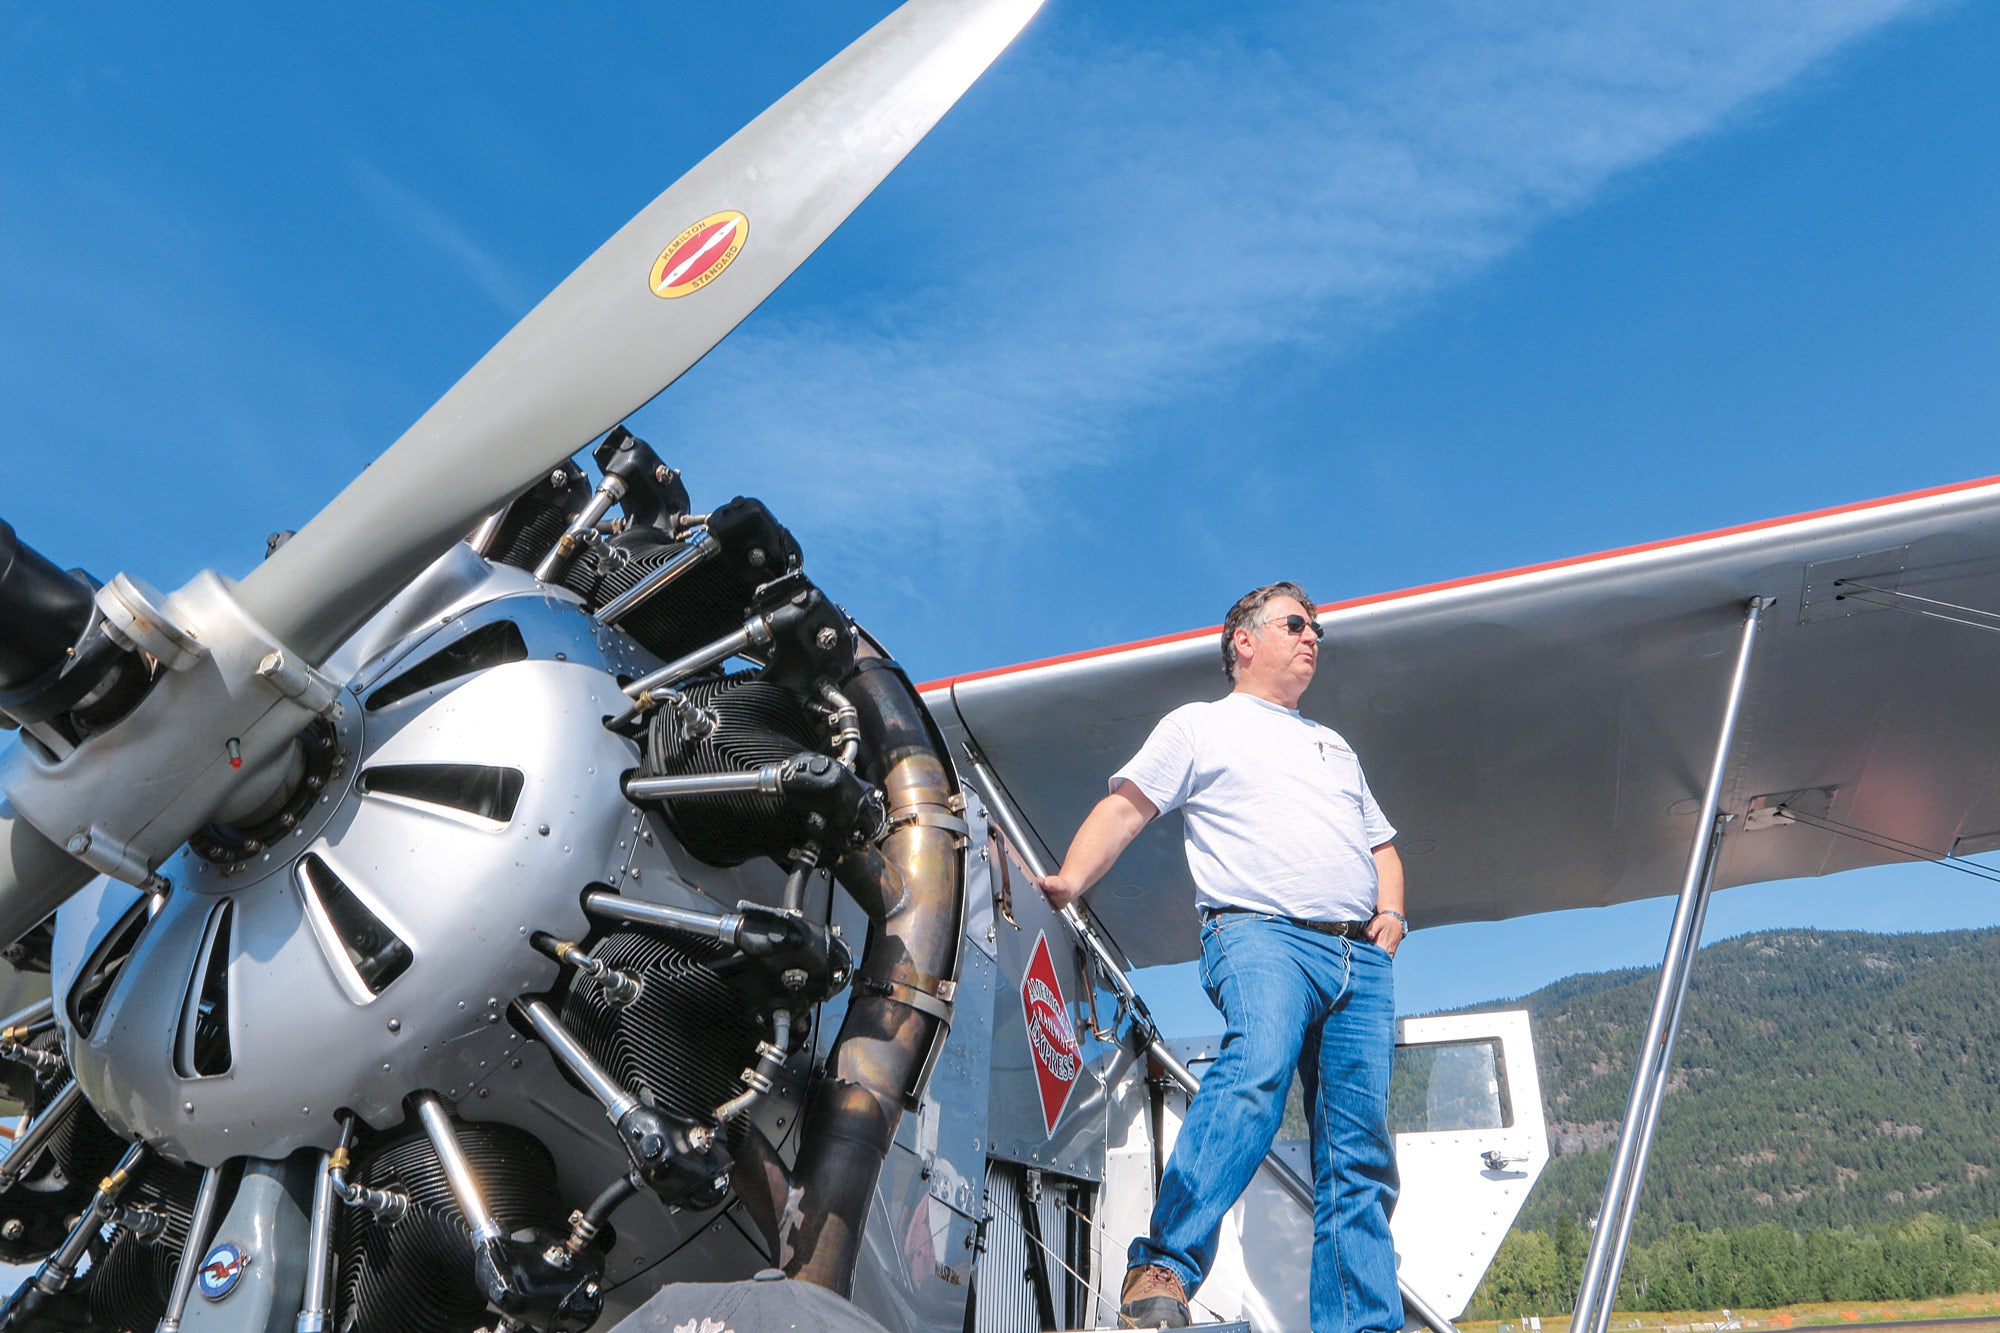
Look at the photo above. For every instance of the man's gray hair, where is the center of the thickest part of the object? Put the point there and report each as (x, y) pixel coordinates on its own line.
(1248, 613)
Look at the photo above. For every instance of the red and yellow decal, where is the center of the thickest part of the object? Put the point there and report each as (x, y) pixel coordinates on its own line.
(699, 254)
(1051, 1040)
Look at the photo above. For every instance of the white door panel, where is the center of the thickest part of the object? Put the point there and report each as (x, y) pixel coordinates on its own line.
(1470, 1143)
(1466, 1108)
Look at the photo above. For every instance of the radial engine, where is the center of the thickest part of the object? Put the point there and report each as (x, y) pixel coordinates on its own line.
(535, 916)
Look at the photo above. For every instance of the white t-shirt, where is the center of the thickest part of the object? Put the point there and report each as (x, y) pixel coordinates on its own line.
(1279, 817)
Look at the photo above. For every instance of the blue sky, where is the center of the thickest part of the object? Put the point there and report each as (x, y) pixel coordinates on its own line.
(1181, 298)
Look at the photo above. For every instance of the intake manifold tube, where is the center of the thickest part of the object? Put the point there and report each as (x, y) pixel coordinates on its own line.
(911, 883)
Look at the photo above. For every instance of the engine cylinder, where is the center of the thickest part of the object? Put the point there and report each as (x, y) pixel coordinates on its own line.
(36, 1213)
(414, 1275)
(129, 1288)
(755, 723)
(685, 1040)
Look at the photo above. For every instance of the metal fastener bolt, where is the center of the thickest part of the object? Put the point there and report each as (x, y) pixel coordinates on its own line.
(826, 638)
(13, 1228)
(78, 845)
(395, 1025)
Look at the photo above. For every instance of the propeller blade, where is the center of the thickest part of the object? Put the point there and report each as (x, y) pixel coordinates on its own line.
(649, 304)
(35, 875)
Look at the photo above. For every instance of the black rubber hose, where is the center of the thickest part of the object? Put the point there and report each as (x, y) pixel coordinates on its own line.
(43, 612)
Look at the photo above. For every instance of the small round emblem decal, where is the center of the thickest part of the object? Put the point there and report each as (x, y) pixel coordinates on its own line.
(699, 254)
(221, 1270)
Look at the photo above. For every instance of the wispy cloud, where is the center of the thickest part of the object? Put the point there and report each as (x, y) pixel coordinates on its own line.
(406, 208)
(1176, 209)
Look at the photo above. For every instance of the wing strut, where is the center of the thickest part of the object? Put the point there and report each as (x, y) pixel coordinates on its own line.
(1606, 1259)
(1144, 1028)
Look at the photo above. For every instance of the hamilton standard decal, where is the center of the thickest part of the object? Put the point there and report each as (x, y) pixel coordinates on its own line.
(1051, 1039)
(698, 255)
(221, 1270)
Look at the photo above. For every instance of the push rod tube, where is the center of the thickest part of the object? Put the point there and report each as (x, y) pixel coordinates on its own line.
(193, 1251)
(562, 1044)
(764, 778)
(458, 1171)
(315, 1310)
(1599, 1287)
(700, 551)
(756, 633)
(706, 925)
(34, 1016)
(59, 1269)
(36, 1136)
(608, 493)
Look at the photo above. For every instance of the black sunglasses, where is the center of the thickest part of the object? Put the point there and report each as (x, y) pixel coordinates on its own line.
(1296, 625)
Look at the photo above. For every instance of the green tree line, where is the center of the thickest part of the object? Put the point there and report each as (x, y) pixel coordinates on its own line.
(1686, 1268)
(1822, 1080)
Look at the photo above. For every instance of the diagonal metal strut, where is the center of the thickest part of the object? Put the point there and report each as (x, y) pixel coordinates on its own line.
(1613, 1231)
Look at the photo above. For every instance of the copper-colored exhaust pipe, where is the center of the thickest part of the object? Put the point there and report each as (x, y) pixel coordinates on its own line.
(912, 886)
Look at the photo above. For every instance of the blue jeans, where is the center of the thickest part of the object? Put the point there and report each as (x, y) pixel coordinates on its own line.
(1325, 1006)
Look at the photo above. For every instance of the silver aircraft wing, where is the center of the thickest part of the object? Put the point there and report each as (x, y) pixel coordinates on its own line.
(1541, 736)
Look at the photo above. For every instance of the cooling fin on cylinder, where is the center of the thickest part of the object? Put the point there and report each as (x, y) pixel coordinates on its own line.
(755, 723)
(39, 1210)
(415, 1275)
(683, 1043)
(128, 1288)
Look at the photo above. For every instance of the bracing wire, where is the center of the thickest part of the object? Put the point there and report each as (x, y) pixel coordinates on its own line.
(1991, 623)
(1891, 844)
(1097, 1293)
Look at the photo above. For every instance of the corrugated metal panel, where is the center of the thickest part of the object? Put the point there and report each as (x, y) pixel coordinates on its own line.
(1003, 1297)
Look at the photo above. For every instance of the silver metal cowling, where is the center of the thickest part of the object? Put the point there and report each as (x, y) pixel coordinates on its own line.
(462, 891)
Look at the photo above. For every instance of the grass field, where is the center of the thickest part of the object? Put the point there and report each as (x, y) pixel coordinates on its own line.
(1984, 1308)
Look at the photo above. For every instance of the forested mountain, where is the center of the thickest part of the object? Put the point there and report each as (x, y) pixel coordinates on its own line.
(1821, 1079)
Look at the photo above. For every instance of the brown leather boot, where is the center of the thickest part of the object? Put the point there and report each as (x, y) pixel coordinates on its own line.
(1152, 1298)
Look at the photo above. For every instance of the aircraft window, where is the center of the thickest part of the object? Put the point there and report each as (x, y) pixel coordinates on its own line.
(1444, 1086)
(1434, 1088)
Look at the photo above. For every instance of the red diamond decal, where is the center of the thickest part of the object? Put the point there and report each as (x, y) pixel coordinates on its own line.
(1051, 1039)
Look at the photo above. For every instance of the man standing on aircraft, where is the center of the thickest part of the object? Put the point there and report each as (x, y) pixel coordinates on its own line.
(1301, 898)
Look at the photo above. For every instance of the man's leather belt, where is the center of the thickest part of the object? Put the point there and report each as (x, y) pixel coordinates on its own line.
(1351, 930)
